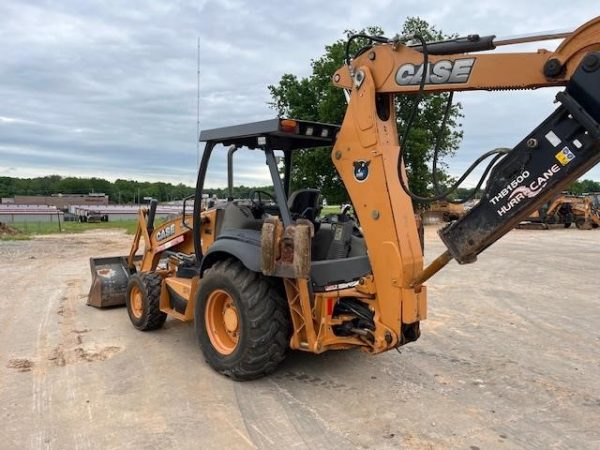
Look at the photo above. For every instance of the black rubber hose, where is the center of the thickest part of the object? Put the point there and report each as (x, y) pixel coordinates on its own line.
(439, 195)
(380, 39)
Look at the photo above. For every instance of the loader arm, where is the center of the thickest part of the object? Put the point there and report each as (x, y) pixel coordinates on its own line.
(367, 151)
(110, 275)
(142, 232)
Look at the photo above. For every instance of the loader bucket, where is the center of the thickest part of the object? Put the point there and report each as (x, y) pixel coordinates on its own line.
(109, 281)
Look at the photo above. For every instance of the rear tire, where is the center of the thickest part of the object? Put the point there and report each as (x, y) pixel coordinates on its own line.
(255, 343)
(143, 301)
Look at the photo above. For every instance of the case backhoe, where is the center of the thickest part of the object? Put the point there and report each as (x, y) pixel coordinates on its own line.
(566, 209)
(258, 277)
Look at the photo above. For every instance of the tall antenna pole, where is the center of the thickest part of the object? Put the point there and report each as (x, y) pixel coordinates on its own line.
(198, 108)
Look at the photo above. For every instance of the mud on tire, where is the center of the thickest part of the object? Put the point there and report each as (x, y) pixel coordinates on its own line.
(144, 311)
(264, 323)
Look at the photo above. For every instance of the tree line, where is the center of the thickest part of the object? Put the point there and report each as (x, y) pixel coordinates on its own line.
(119, 192)
(127, 191)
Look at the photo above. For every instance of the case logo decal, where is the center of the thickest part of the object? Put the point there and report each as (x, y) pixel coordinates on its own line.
(166, 232)
(441, 72)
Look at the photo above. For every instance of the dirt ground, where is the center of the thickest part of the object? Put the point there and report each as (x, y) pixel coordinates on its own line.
(509, 358)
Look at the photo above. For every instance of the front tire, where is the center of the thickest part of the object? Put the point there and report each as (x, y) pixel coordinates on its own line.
(143, 301)
(242, 321)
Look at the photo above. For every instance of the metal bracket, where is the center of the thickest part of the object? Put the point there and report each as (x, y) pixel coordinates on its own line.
(286, 252)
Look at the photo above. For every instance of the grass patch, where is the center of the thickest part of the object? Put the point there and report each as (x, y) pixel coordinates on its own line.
(28, 229)
(330, 209)
(14, 237)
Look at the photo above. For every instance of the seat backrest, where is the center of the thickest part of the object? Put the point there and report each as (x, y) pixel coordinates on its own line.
(305, 203)
(239, 217)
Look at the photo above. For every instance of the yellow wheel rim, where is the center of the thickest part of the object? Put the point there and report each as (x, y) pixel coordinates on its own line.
(222, 322)
(137, 302)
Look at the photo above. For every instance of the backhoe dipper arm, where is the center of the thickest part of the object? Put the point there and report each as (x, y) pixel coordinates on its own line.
(366, 154)
(398, 68)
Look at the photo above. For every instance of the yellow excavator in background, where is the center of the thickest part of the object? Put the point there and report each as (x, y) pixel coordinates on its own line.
(442, 211)
(566, 209)
(260, 275)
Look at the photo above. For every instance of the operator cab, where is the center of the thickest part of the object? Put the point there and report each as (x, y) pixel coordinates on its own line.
(336, 236)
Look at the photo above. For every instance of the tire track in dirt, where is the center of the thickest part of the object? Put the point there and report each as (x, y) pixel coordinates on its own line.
(22, 282)
(275, 419)
(50, 290)
(71, 349)
(40, 389)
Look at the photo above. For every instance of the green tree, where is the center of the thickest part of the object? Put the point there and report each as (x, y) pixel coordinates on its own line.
(584, 186)
(315, 98)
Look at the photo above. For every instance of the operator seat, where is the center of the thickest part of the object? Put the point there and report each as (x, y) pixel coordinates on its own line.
(305, 204)
(239, 217)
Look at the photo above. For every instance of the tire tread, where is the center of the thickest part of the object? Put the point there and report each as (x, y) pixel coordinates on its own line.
(268, 322)
(153, 318)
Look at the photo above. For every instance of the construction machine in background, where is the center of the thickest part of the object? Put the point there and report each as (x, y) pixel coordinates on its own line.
(595, 197)
(592, 209)
(565, 209)
(93, 217)
(442, 211)
(266, 274)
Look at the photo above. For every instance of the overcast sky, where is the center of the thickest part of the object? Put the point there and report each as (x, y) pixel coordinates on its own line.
(108, 88)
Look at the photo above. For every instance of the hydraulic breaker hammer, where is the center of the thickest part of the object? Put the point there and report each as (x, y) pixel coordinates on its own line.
(557, 152)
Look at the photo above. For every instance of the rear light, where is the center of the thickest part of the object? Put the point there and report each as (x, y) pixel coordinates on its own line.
(329, 306)
(288, 125)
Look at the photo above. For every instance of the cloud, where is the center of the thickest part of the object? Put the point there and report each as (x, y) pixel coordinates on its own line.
(108, 89)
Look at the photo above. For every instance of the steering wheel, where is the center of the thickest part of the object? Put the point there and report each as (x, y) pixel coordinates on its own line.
(258, 193)
(256, 199)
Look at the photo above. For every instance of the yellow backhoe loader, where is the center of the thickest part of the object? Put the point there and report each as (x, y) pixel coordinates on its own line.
(565, 209)
(442, 211)
(264, 274)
